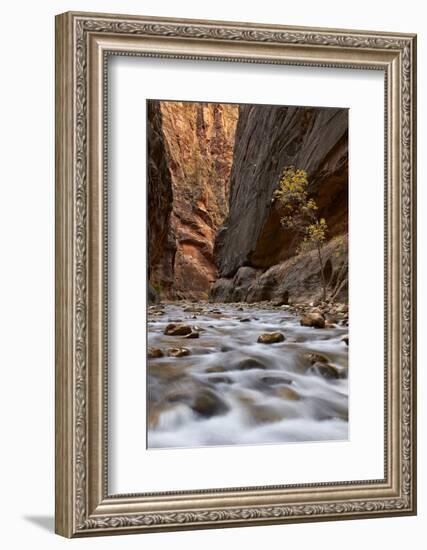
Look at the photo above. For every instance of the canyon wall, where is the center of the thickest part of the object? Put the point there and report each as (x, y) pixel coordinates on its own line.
(213, 227)
(161, 243)
(268, 138)
(190, 153)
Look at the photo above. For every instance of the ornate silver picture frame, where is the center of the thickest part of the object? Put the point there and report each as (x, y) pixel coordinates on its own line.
(84, 505)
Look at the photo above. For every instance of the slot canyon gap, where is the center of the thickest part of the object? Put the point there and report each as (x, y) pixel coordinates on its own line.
(247, 235)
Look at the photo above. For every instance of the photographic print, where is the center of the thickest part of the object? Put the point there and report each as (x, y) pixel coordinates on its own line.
(247, 274)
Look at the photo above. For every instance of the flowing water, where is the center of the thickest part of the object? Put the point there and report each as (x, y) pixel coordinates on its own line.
(231, 389)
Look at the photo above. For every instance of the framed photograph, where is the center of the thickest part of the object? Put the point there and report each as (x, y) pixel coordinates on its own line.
(235, 274)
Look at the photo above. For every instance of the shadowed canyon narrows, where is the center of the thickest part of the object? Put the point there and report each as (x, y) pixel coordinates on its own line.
(212, 171)
(266, 361)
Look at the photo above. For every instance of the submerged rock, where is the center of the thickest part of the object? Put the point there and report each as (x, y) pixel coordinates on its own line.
(315, 357)
(216, 369)
(220, 380)
(271, 338)
(265, 414)
(250, 363)
(288, 393)
(274, 380)
(207, 403)
(154, 353)
(165, 371)
(326, 370)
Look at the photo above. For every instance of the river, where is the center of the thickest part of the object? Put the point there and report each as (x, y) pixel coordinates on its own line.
(226, 388)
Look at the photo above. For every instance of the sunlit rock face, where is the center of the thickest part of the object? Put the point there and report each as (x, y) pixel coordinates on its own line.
(189, 166)
(268, 138)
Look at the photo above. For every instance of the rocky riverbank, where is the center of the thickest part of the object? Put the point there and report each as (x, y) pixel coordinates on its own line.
(293, 281)
(246, 374)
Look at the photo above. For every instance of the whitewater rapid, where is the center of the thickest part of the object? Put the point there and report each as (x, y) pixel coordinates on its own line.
(245, 392)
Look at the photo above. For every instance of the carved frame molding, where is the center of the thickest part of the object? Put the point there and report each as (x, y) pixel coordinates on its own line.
(83, 43)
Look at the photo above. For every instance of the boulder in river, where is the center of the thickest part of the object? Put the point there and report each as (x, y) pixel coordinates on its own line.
(179, 329)
(219, 368)
(178, 352)
(250, 363)
(345, 339)
(327, 371)
(271, 338)
(275, 380)
(315, 357)
(166, 372)
(314, 319)
(220, 380)
(207, 403)
(192, 334)
(154, 353)
(287, 393)
(264, 414)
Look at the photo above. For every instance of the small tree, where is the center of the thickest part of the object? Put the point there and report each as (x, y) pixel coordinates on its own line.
(300, 214)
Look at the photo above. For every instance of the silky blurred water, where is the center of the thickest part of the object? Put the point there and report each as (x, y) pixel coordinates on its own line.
(257, 393)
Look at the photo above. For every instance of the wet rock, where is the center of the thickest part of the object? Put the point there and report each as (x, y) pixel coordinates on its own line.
(265, 414)
(288, 393)
(327, 371)
(178, 397)
(192, 334)
(178, 352)
(345, 339)
(329, 324)
(153, 418)
(156, 313)
(153, 296)
(332, 319)
(165, 371)
(245, 320)
(246, 398)
(313, 319)
(271, 338)
(177, 330)
(154, 353)
(207, 403)
(226, 347)
(275, 380)
(282, 300)
(250, 363)
(222, 290)
(314, 357)
(216, 369)
(191, 309)
(220, 380)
